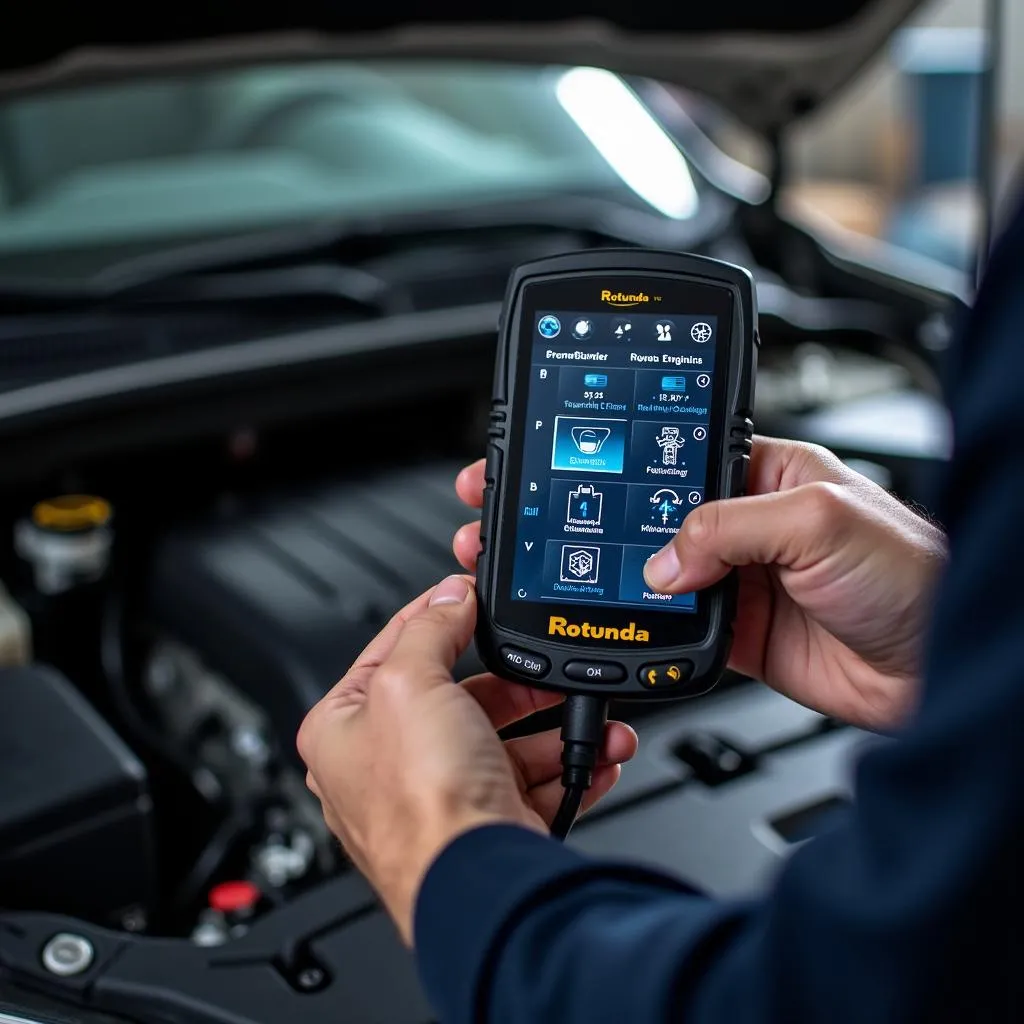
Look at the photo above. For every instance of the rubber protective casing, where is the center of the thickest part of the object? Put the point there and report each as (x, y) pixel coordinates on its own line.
(705, 661)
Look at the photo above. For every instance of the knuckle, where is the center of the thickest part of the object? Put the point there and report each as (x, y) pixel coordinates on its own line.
(825, 506)
(815, 452)
(820, 462)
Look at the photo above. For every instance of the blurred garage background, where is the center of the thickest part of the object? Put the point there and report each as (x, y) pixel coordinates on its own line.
(896, 157)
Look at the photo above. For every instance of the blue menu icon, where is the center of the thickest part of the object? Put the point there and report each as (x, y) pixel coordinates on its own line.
(589, 445)
(595, 380)
(585, 506)
(549, 326)
(669, 383)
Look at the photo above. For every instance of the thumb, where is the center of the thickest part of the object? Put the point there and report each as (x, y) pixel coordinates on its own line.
(432, 640)
(792, 529)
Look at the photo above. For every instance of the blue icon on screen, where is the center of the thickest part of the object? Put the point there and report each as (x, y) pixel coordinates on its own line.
(595, 380)
(585, 445)
(673, 383)
(549, 326)
(590, 440)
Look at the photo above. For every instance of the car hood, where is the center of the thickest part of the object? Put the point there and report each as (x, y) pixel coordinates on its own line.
(766, 62)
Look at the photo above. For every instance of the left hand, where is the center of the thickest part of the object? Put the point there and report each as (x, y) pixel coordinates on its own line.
(403, 760)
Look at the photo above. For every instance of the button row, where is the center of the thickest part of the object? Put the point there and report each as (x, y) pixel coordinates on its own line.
(655, 676)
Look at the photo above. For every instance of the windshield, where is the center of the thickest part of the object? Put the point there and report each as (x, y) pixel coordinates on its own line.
(143, 163)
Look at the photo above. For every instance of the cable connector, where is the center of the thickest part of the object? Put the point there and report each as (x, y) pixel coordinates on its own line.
(583, 725)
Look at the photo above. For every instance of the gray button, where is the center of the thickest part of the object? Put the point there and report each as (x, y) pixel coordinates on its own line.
(594, 672)
(526, 663)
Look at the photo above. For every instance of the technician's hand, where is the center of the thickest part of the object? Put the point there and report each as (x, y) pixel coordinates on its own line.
(403, 759)
(835, 576)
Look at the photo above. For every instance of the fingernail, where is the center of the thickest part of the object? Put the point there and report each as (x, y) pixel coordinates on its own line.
(662, 569)
(453, 590)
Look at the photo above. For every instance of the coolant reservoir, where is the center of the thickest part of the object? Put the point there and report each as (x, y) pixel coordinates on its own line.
(67, 541)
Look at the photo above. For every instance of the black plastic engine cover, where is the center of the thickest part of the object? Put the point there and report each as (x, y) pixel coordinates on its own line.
(76, 831)
(720, 838)
(280, 595)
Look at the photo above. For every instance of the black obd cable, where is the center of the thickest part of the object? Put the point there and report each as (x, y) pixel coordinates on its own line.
(583, 726)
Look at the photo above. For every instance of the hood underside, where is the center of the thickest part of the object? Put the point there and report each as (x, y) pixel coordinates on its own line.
(765, 62)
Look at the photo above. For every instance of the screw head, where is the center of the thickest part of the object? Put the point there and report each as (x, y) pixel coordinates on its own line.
(310, 978)
(67, 954)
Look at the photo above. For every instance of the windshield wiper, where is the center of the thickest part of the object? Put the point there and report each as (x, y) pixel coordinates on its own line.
(322, 260)
(342, 287)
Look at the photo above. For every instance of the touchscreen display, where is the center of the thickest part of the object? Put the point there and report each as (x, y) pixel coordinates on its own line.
(615, 453)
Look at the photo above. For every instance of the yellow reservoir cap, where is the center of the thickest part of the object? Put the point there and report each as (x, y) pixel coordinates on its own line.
(71, 513)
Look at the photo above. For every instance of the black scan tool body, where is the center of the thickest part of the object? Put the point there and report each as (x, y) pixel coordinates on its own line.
(623, 397)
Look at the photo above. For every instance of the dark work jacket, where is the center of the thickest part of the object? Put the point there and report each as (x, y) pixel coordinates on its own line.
(910, 911)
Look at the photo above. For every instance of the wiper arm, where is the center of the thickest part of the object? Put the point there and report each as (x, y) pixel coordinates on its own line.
(353, 239)
(322, 260)
(346, 287)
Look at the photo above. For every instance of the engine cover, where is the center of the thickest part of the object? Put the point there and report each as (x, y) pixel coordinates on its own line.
(281, 594)
(76, 829)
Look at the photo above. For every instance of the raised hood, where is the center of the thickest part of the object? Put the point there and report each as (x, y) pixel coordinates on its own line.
(767, 61)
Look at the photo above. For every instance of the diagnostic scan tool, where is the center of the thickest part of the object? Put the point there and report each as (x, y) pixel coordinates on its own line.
(623, 398)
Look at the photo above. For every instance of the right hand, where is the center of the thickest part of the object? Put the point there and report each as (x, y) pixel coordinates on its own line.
(835, 577)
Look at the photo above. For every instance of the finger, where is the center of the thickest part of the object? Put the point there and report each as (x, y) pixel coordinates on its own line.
(381, 646)
(350, 691)
(378, 649)
(777, 465)
(431, 640)
(466, 545)
(791, 529)
(539, 757)
(469, 484)
(780, 465)
(504, 702)
(545, 798)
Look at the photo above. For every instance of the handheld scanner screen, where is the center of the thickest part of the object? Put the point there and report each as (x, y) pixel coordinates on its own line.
(622, 404)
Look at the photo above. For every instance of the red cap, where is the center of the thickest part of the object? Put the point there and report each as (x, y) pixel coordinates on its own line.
(229, 897)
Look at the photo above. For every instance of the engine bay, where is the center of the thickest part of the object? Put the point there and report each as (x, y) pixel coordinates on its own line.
(251, 272)
(191, 566)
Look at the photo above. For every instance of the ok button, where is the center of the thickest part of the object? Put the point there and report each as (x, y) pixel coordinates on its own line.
(594, 672)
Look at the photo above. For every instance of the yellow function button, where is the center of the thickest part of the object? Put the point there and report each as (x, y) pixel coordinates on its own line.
(72, 513)
(669, 673)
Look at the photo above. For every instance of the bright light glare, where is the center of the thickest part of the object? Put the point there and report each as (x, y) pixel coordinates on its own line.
(634, 144)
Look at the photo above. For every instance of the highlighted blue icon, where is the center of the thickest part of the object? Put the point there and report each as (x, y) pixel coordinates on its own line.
(673, 383)
(590, 440)
(584, 445)
(549, 326)
(595, 380)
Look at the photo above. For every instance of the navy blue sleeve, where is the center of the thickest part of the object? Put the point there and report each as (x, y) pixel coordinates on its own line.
(911, 910)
